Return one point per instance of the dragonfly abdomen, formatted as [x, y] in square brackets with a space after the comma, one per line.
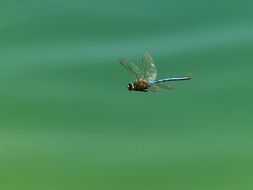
[172, 79]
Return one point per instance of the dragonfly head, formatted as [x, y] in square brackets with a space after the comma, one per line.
[130, 86]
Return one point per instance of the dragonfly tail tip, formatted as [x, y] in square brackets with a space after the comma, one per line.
[190, 76]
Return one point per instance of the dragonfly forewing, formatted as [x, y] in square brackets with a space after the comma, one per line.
[149, 68]
[134, 69]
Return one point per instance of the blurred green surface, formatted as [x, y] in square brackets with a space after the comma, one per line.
[67, 120]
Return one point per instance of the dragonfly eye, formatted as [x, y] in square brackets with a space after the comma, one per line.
[130, 86]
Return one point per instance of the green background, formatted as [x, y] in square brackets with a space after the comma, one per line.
[67, 120]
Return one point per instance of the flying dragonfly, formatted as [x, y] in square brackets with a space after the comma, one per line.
[145, 79]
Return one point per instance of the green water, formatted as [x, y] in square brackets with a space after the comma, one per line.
[67, 120]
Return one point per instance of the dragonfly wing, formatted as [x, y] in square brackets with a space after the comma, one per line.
[134, 69]
[165, 86]
[153, 87]
[149, 67]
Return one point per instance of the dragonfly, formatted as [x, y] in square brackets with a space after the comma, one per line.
[145, 79]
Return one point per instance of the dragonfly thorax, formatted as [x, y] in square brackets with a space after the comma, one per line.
[138, 85]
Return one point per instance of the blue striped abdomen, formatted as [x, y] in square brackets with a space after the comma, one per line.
[172, 79]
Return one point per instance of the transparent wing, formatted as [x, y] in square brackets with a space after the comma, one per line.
[134, 69]
[165, 86]
[149, 67]
[153, 87]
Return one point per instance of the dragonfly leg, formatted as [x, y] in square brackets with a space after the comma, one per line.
[143, 90]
